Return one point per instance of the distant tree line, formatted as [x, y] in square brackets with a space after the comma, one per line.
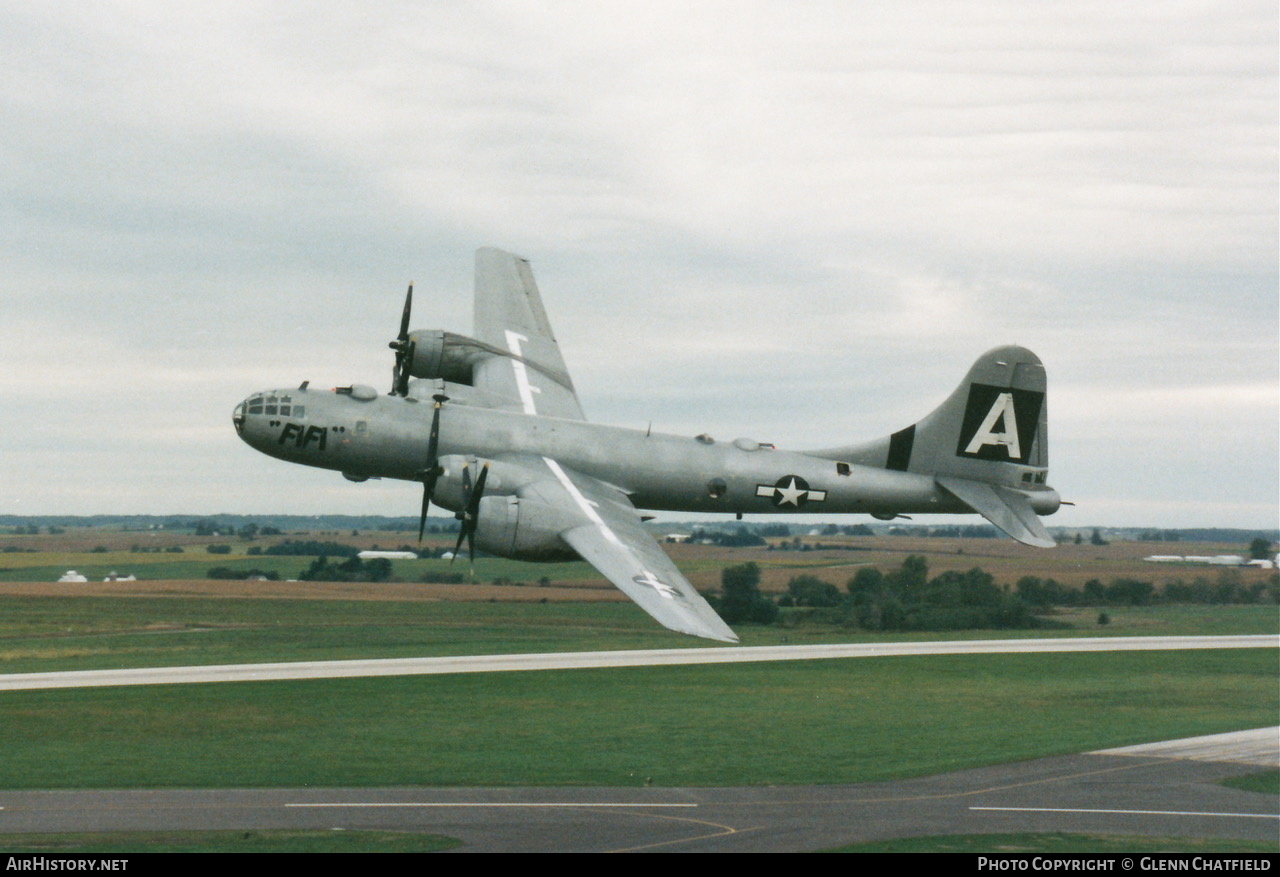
[907, 598]
[740, 537]
[352, 569]
[308, 548]
[226, 572]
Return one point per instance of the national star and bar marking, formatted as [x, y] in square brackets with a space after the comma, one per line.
[652, 581]
[790, 490]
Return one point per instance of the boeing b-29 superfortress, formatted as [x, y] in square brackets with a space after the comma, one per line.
[550, 486]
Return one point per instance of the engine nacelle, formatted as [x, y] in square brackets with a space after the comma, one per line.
[440, 354]
[522, 529]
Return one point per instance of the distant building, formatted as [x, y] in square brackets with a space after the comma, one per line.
[1216, 560]
[114, 576]
[389, 555]
[72, 576]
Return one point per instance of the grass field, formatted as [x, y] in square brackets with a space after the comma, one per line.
[833, 721]
[1057, 844]
[121, 843]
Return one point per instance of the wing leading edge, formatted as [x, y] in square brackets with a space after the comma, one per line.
[605, 529]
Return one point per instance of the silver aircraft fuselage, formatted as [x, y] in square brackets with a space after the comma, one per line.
[383, 437]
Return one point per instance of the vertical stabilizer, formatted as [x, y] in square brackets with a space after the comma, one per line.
[987, 444]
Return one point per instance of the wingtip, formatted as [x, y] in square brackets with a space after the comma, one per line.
[725, 636]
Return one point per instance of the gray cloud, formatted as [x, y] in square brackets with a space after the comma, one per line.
[801, 224]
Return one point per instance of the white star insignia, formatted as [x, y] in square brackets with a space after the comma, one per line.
[791, 494]
[658, 585]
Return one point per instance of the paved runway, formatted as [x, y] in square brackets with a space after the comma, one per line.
[576, 660]
[1141, 792]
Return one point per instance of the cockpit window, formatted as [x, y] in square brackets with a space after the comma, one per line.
[280, 406]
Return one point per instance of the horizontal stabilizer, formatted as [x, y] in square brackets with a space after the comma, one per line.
[1007, 509]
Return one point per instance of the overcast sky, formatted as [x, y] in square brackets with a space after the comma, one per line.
[799, 222]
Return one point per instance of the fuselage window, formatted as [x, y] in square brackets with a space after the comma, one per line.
[256, 409]
[362, 427]
[716, 488]
[271, 409]
[842, 468]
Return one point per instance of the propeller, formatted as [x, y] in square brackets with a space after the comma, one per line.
[470, 514]
[432, 470]
[404, 349]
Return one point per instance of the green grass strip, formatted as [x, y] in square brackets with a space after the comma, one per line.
[1057, 843]
[125, 842]
[1267, 782]
[833, 721]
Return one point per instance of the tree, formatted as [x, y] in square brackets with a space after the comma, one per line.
[809, 590]
[866, 584]
[741, 600]
[1260, 549]
[913, 573]
[1130, 592]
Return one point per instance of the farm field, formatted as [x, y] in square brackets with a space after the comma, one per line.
[153, 555]
[173, 615]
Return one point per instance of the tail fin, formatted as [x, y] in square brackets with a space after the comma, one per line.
[987, 444]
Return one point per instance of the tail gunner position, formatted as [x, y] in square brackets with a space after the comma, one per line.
[492, 428]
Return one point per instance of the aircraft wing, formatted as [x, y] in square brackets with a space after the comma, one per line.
[601, 524]
[509, 316]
